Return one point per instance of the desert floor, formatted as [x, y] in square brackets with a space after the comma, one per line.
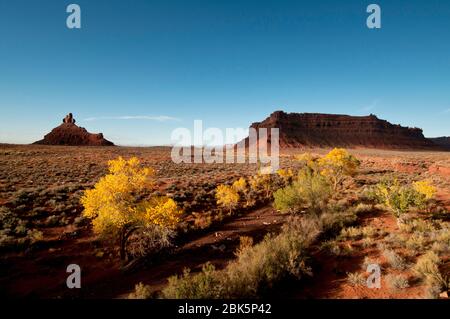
[41, 186]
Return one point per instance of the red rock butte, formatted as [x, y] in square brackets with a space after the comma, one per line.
[69, 134]
[303, 130]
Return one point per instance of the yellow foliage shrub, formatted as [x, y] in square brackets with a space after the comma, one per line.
[227, 197]
[425, 188]
[306, 159]
[337, 164]
[162, 211]
[261, 182]
[286, 174]
[114, 206]
[111, 204]
[399, 198]
[240, 185]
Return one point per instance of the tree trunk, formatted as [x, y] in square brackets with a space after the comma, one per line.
[122, 244]
[125, 234]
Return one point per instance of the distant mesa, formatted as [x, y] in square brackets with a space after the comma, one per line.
[443, 141]
[72, 135]
[303, 130]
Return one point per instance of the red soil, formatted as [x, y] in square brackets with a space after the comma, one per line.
[42, 273]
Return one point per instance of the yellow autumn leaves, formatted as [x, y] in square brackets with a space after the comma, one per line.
[121, 200]
[227, 197]
[425, 188]
[401, 198]
[338, 164]
[113, 202]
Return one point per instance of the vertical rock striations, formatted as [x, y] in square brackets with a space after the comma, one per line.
[332, 130]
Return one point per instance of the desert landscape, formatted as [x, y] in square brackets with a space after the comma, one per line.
[219, 158]
[374, 206]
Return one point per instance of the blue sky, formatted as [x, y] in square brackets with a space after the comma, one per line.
[139, 69]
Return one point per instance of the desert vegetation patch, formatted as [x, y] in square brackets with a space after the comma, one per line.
[141, 226]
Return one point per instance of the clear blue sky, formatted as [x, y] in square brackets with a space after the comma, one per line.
[226, 62]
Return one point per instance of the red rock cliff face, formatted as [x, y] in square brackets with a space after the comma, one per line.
[72, 135]
[331, 130]
[443, 141]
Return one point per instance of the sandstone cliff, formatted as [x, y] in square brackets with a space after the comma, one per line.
[332, 130]
[442, 141]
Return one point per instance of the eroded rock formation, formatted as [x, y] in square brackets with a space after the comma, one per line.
[443, 141]
[69, 119]
[72, 135]
[332, 130]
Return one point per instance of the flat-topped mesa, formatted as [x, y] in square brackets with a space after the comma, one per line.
[336, 130]
[70, 134]
[443, 141]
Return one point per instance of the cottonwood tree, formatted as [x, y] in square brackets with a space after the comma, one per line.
[115, 207]
[337, 165]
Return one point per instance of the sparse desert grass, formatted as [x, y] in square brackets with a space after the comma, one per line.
[394, 240]
[440, 248]
[256, 269]
[141, 291]
[15, 232]
[367, 242]
[362, 208]
[357, 233]
[335, 248]
[351, 233]
[333, 222]
[356, 279]
[416, 241]
[427, 268]
[245, 242]
[369, 232]
[417, 225]
[396, 282]
[394, 260]
[332, 247]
